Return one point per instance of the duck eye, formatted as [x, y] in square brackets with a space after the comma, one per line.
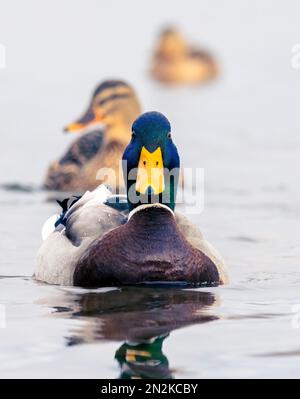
[133, 135]
[144, 162]
[169, 136]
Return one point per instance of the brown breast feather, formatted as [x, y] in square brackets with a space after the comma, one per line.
[149, 247]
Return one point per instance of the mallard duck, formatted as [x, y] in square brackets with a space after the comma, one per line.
[175, 61]
[114, 105]
[109, 240]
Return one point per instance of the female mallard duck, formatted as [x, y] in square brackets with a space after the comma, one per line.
[115, 105]
[176, 62]
[102, 240]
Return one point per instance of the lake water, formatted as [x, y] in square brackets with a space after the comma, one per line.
[243, 129]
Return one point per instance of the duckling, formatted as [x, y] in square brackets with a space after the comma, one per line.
[175, 62]
[115, 105]
[102, 245]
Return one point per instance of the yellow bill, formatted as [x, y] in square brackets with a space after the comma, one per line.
[150, 172]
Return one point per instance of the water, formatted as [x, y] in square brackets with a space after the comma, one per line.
[243, 130]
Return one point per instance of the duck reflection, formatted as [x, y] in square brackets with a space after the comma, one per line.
[143, 360]
[140, 317]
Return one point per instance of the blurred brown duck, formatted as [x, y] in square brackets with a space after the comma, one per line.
[114, 105]
[176, 62]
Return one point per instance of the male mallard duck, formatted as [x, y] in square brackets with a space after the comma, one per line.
[115, 105]
[98, 243]
[176, 62]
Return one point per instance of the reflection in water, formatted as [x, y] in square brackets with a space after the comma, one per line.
[143, 360]
[142, 318]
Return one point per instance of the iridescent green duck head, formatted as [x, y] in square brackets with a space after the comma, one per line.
[151, 162]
